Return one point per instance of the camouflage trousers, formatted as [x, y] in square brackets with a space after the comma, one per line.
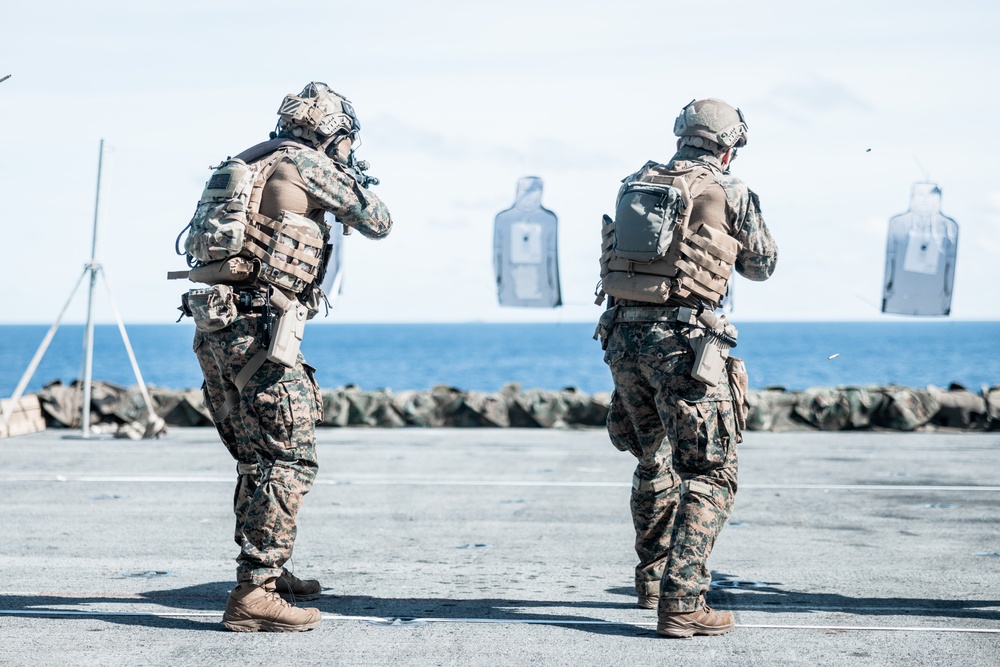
[684, 435]
[270, 433]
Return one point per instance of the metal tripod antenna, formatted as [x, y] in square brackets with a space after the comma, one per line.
[88, 336]
[155, 426]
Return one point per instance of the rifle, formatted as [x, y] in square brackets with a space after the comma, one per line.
[357, 169]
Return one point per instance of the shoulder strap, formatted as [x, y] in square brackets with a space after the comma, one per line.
[698, 184]
[690, 186]
[255, 153]
[635, 174]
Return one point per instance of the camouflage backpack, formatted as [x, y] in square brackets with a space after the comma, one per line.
[288, 252]
[218, 227]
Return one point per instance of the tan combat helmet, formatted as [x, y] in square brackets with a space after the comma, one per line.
[703, 123]
[317, 114]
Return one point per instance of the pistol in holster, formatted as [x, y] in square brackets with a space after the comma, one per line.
[711, 343]
[288, 323]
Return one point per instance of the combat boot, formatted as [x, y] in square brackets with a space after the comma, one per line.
[648, 593]
[289, 586]
[648, 601]
[260, 609]
[705, 621]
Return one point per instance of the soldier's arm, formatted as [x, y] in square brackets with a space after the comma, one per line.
[759, 253]
[340, 194]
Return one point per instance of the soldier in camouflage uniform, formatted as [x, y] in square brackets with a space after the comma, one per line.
[268, 425]
[683, 431]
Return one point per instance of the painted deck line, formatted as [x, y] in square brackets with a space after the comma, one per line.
[168, 479]
[470, 621]
[733, 606]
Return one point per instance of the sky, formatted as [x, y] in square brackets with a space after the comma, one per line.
[848, 103]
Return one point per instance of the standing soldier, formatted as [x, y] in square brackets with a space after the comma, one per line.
[679, 399]
[259, 239]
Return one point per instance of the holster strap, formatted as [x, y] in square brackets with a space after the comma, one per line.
[247, 372]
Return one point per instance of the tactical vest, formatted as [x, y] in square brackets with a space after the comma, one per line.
[692, 261]
[229, 240]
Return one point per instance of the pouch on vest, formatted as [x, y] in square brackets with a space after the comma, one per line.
[231, 270]
[604, 326]
[637, 287]
[739, 383]
[290, 249]
[216, 230]
[646, 217]
[212, 308]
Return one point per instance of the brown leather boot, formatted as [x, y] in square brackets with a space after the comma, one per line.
[291, 587]
[705, 621]
[260, 609]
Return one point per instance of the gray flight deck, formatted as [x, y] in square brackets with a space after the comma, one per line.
[502, 547]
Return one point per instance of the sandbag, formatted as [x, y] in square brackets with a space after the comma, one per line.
[959, 408]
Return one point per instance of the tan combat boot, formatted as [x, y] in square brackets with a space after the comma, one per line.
[290, 586]
[260, 609]
[705, 621]
[648, 593]
[648, 601]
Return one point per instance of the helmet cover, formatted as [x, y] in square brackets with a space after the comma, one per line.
[712, 120]
[317, 113]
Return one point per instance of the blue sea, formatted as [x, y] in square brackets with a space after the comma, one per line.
[794, 355]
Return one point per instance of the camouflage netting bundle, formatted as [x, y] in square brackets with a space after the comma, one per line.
[119, 410]
[445, 406]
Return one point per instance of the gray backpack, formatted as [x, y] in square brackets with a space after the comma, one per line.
[650, 209]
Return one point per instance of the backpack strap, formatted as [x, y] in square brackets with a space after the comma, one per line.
[255, 153]
[273, 151]
[699, 183]
[690, 189]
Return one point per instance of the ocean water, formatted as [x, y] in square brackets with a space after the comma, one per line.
[794, 355]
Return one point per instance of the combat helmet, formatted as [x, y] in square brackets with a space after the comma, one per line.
[703, 123]
[317, 114]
